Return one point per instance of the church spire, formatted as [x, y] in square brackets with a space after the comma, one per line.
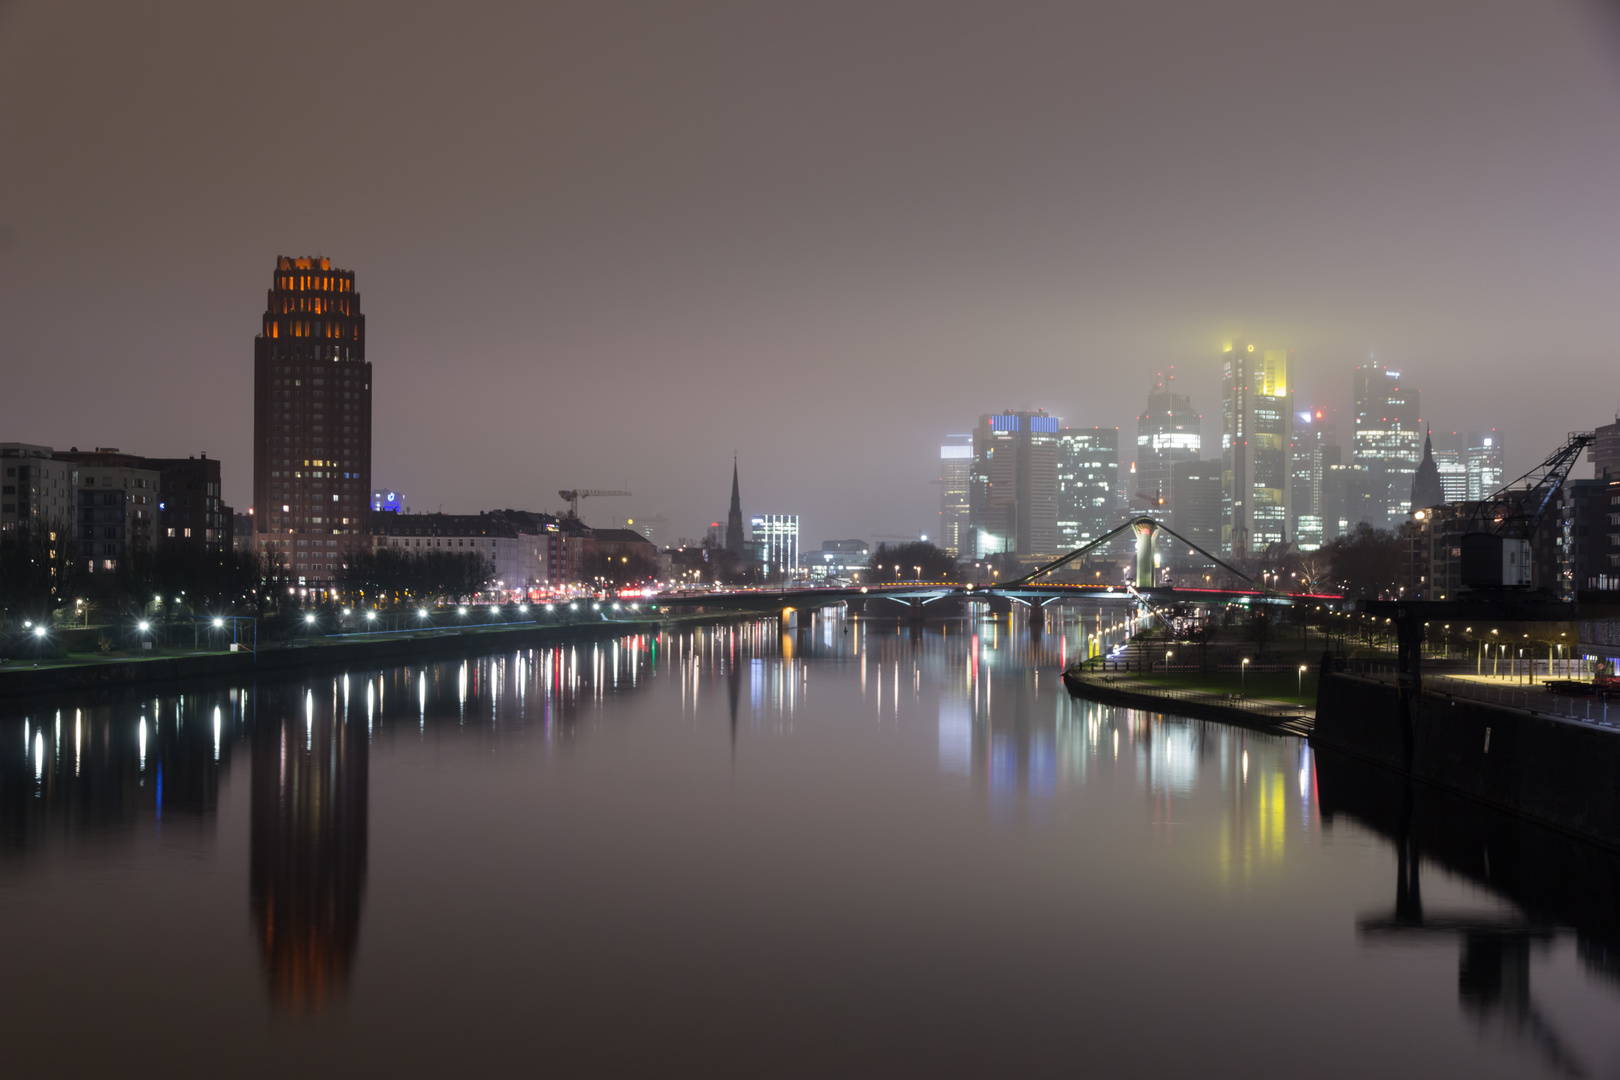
[1426, 487]
[734, 528]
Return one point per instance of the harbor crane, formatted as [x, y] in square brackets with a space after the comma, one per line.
[573, 496]
[1496, 542]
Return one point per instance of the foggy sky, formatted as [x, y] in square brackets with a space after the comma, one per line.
[606, 244]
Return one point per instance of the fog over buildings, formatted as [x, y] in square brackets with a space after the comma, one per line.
[606, 246]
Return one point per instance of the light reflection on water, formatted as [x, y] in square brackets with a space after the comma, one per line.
[801, 830]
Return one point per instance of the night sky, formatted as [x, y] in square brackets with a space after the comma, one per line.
[606, 244]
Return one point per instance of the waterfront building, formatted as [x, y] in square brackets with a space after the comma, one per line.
[523, 550]
[117, 501]
[36, 487]
[1589, 530]
[1168, 432]
[955, 473]
[1256, 436]
[191, 512]
[312, 421]
[1432, 567]
[838, 560]
[1604, 452]
[1388, 438]
[1087, 476]
[1013, 490]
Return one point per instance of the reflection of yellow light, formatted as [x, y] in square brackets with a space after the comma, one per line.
[1251, 348]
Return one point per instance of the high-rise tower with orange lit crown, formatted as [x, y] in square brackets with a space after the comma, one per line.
[311, 423]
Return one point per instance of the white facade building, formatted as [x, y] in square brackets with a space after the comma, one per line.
[776, 539]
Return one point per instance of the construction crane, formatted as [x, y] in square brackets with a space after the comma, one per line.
[1496, 542]
[572, 497]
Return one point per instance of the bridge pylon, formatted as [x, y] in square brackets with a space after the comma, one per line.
[1147, 560]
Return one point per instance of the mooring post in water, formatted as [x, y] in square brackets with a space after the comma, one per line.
[1409, 674]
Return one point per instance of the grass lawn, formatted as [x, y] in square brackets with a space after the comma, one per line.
[1271, 685]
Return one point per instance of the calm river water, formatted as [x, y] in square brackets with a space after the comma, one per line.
[854, 849]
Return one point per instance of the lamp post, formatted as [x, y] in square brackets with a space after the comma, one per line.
[1299, 685]
[1243, 677]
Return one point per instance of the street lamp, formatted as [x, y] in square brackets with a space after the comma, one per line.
[1243, 677]
[1299, 683]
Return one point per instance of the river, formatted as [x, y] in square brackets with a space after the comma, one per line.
[855, 848]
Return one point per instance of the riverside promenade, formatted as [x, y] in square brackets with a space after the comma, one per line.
[20, 677]
[1155, 693]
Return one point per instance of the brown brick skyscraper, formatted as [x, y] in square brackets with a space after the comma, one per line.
[311, 422]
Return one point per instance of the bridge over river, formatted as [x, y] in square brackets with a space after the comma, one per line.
[1034, 590]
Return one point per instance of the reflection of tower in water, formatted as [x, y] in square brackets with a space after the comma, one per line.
[308, 843]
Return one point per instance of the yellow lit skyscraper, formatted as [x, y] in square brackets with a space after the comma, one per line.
[1256, 427]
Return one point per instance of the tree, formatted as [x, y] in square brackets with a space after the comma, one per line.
[917, 560]
[389, 576]
[39, 568]
[1366, 561]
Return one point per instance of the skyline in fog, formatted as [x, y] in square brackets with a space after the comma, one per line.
[606, 246]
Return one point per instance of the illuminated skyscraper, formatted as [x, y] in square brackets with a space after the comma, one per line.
[1256, 434]
[1088, 474]
[311, 421]
[1484, 463]
[1388, 439]
[1168, 432]
[1013, 491]
[1313, 432]
[955, 474]
[1451, 459]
